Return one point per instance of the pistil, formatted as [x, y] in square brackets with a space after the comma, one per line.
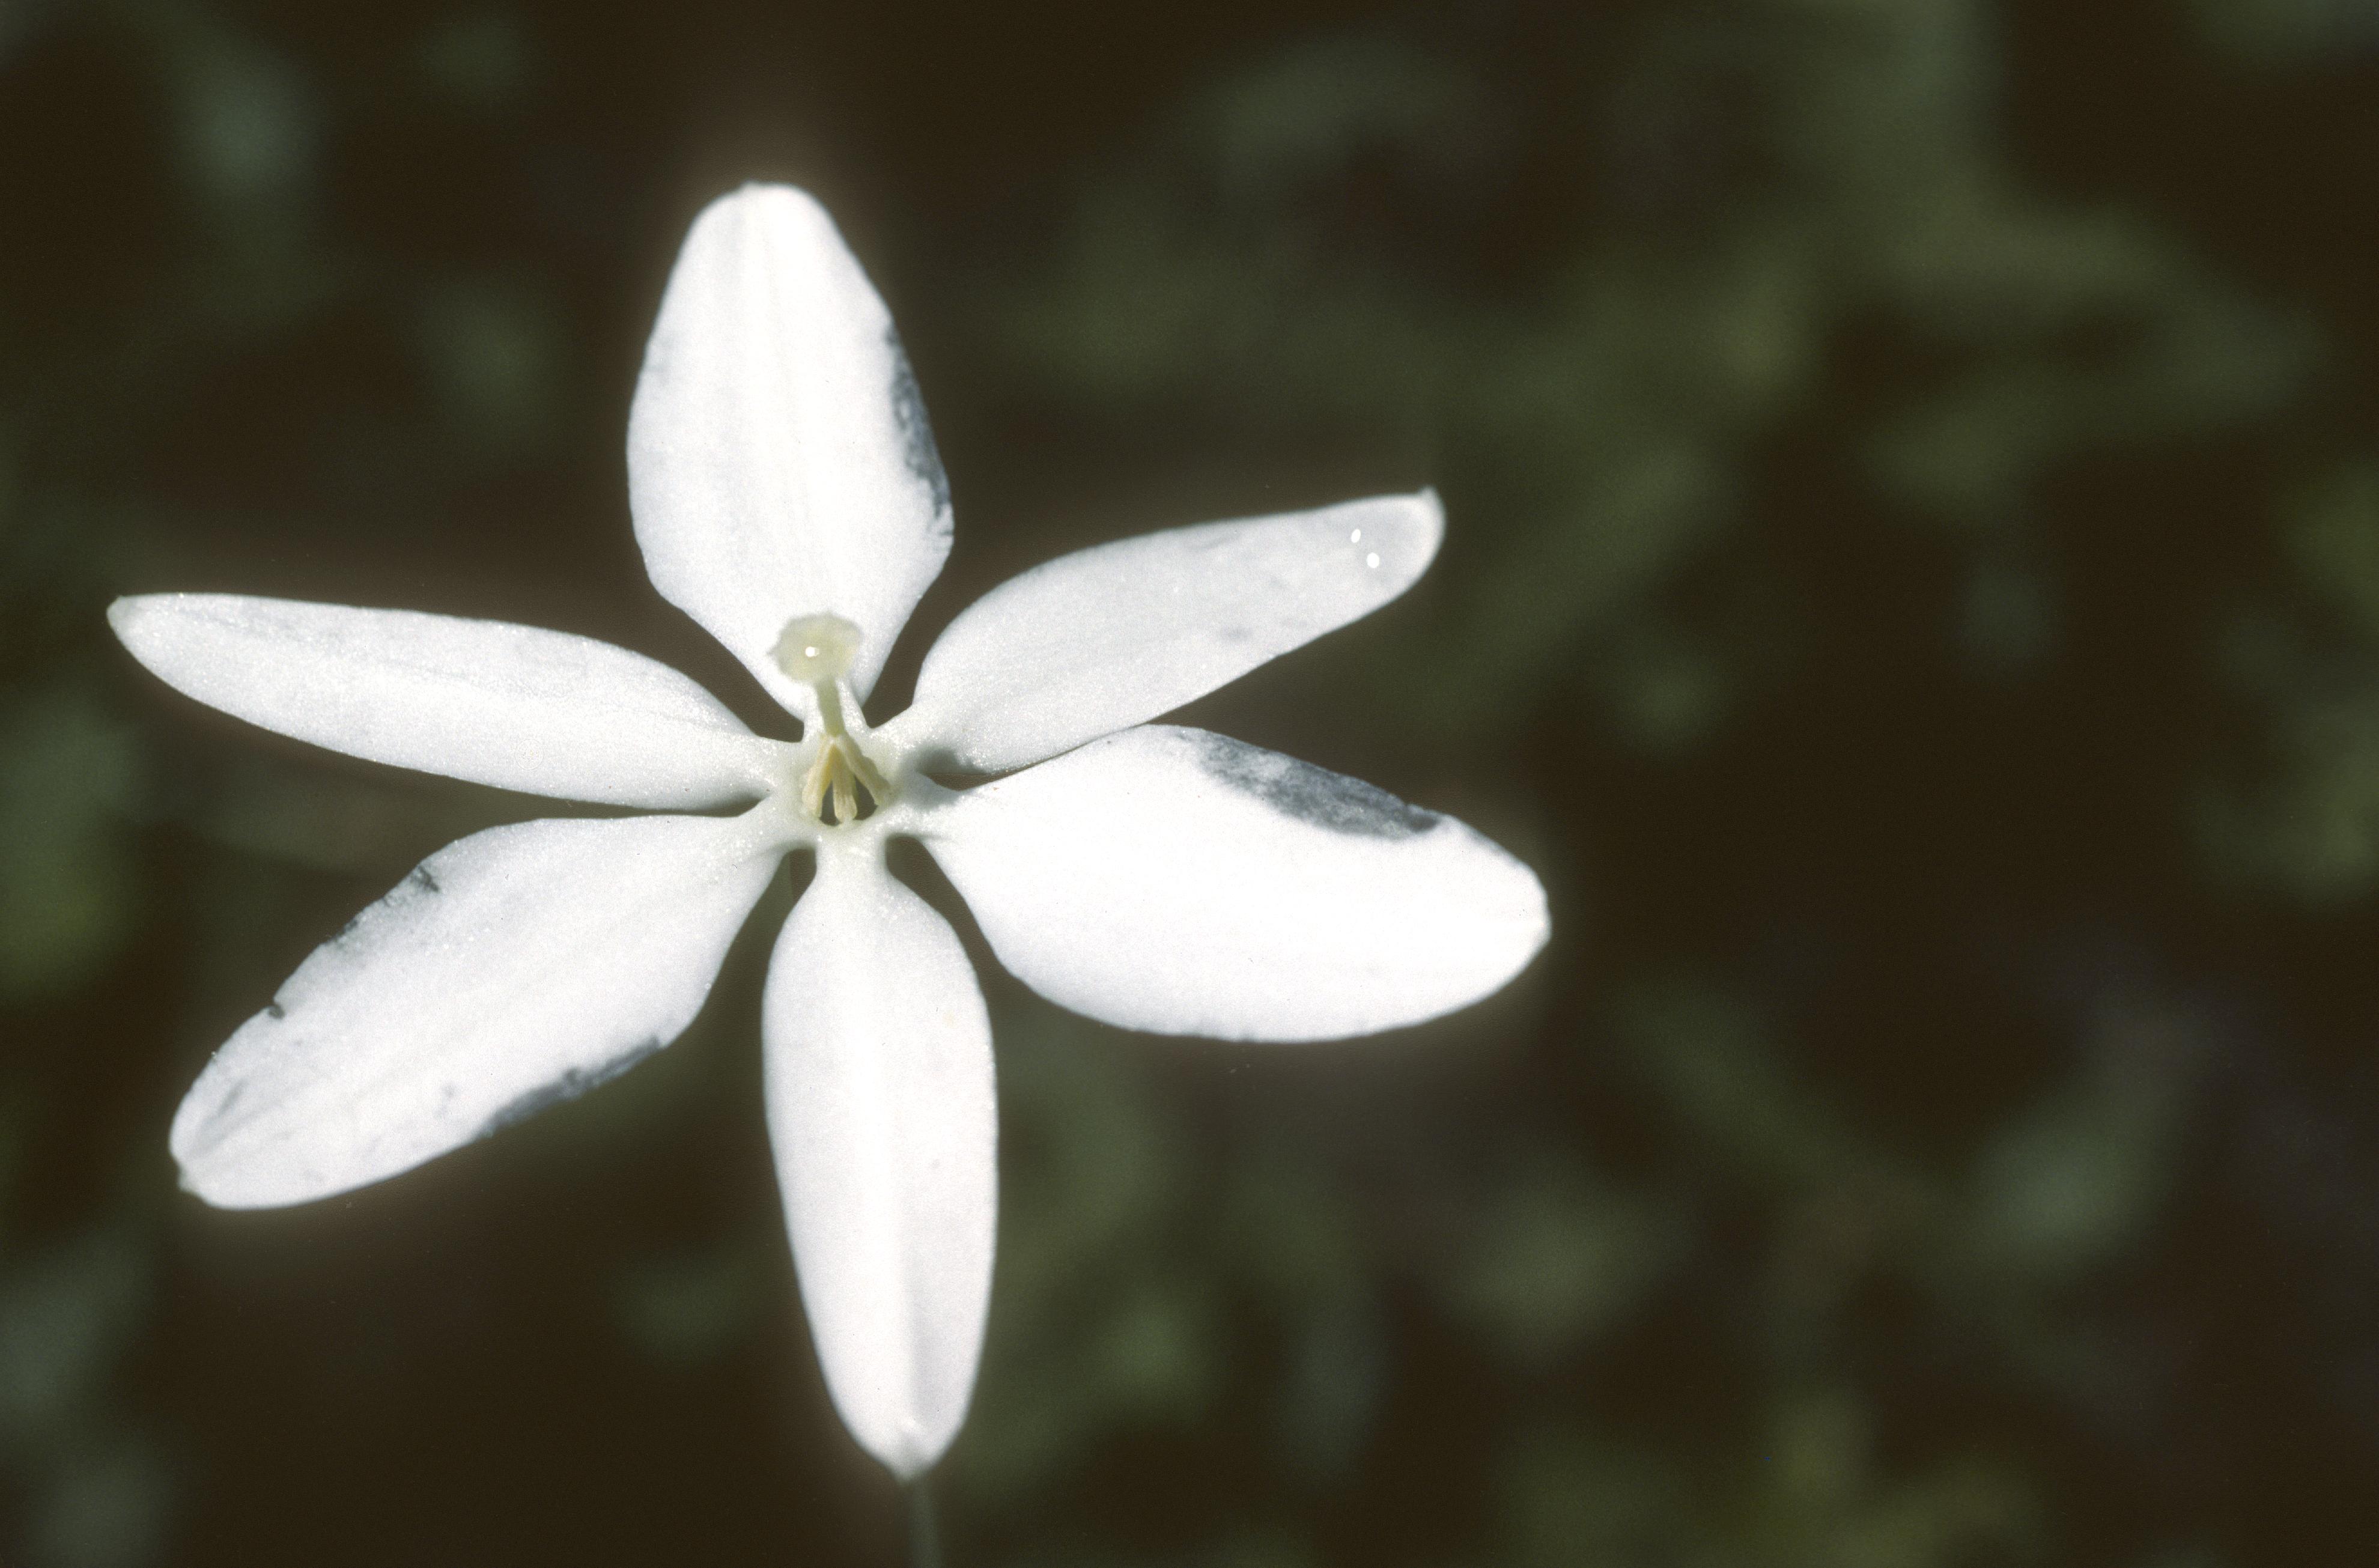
[818, 650]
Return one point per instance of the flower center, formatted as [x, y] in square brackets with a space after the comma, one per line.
[818, 650]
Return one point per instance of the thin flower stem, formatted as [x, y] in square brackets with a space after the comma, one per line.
[924, 1536]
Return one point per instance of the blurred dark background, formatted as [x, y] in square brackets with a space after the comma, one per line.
[1912, 590]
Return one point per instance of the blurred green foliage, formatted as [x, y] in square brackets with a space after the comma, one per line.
[1913, 590]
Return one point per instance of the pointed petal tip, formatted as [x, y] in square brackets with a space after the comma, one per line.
[228, 1183]
[771, 190]
[1429, 519]
[908, 1446]
[130, 616]
[215, 1193]
[911, 1457]
[207, 1173]
[1395, 538]
[1536, 920]
[762, 199]
[183, 1139]
[1520, 928]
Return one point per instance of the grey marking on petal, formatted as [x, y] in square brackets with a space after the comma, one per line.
[423, 879]
[275, 1010]
[1311, 794]
[569, 1086]
[917, 449]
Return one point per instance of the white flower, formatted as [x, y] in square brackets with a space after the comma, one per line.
[786, 495]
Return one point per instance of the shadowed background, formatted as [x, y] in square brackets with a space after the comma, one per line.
[1912, 590]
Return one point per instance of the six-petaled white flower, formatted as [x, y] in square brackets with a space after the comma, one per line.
[786, 495]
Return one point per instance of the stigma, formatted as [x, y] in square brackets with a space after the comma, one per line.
[818, 650]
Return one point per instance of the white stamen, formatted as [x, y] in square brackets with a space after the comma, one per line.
[818, 651]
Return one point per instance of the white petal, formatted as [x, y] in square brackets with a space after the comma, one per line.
[496, 703]
[779, 459]
[1174, 880]
[1114, 635]
[881, 1109]
[511, 970]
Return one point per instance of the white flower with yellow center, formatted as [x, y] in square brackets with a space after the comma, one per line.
[786, 495]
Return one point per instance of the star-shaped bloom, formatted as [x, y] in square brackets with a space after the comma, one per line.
[786, 495]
